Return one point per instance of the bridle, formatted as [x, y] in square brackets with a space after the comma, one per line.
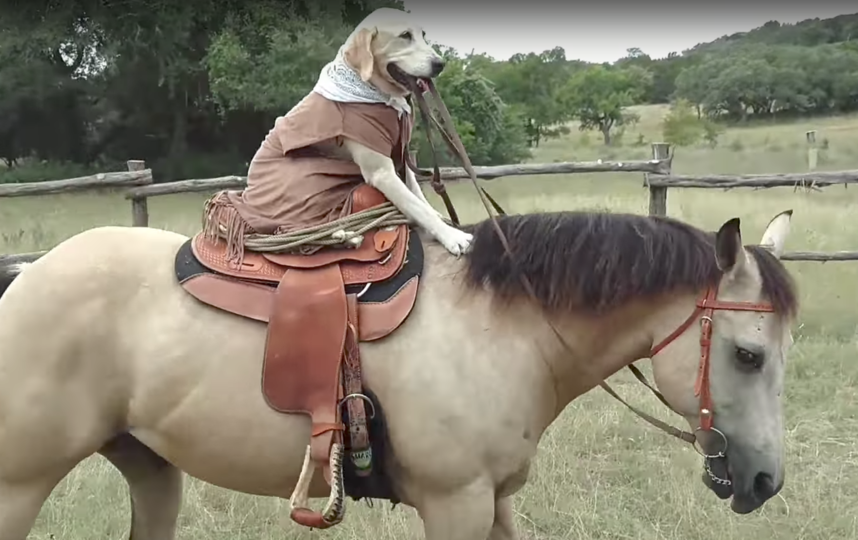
[706, 304]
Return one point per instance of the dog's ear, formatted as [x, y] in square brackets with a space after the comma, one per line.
[359, 52]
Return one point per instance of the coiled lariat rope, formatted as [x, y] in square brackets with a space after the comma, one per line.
[346, 231]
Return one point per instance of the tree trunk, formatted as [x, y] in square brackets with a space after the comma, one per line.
[178, 140]
[606, 134]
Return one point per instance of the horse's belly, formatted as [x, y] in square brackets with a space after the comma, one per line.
[249, 453]
[198, 403]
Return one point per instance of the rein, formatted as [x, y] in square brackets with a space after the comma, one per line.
[455, 146]
[705, 306]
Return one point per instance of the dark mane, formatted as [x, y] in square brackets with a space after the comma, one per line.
[595, 261]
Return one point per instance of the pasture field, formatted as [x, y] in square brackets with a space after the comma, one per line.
[601, 473]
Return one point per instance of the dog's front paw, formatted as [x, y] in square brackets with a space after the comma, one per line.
[457, 242]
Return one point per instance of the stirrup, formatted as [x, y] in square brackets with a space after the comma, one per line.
[335, 508]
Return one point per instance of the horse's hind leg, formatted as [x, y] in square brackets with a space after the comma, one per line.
[154, 484]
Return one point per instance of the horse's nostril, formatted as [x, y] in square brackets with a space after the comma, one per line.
[764, 486]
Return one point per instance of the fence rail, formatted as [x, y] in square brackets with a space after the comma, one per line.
[83, 183]
[723, 181]
[447, 174]
[658, 178]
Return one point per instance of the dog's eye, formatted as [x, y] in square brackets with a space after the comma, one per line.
[750, 359]
[406, 35]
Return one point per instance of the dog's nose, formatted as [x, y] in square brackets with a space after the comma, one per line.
[437, 66]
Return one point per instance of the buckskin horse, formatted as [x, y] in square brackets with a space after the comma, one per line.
[129, 342]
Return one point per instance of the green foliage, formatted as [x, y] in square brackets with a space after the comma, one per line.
[192, 88]
[86, 80]
[276, 77]
[598, 97]
[807, 33]
[711, 132]
[533, 82]
[758, 80]
[491, 131]
[683, 127]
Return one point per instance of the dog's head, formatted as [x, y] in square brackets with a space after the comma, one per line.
[389, 50]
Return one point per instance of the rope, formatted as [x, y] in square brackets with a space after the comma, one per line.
[347, 231]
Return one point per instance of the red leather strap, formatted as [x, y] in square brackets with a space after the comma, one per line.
[706, 306]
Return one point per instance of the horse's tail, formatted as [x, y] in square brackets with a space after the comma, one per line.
[8, 275]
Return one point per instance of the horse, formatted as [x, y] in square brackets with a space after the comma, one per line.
[102, 351]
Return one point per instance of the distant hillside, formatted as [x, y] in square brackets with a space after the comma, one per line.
[806, 33]
[810, 67]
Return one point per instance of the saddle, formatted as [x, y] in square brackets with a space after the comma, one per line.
[318, 308]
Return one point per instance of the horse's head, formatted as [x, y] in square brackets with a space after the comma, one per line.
[389, 49]
[725, 372]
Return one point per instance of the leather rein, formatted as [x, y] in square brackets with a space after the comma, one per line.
[705, 306]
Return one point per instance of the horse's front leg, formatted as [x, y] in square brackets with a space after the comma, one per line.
[465, 514]
[504, 523]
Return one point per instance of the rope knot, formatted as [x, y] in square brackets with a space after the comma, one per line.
[349, 238]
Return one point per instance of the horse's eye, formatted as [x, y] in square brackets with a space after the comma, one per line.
[406, 35]
[749, 358]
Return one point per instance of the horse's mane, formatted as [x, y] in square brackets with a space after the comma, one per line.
[596, 261]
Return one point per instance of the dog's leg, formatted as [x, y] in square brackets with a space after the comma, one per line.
[379, 172]
[411, 182]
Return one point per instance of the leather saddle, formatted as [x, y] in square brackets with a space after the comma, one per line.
[317, 308]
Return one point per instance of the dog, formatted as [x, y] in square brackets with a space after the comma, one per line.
[387, 49]
[350, 129]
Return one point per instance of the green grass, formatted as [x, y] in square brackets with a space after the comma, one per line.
[601, 472]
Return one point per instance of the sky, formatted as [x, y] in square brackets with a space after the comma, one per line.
[602, 30]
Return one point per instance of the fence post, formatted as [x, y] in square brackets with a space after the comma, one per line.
[658, 194]
[139, 205]
[812, 150]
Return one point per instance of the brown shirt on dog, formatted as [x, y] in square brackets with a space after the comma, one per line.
[290, 186]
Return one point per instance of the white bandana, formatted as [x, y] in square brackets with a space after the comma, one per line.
[339, 82]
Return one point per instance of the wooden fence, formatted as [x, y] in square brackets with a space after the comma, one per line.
[657, 178]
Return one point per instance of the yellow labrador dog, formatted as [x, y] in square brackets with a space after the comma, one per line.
[387, 49]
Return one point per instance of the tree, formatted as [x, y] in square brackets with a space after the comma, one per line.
[43, 99]
[132, 78]
[534, 83]
[598, 97]
[492, 132]
[761, 80]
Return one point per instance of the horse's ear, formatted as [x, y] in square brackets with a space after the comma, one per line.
[776, 233]
[728, 248]
[358, 52]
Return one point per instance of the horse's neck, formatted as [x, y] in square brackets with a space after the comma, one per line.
[512, 351]
[603, 345]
